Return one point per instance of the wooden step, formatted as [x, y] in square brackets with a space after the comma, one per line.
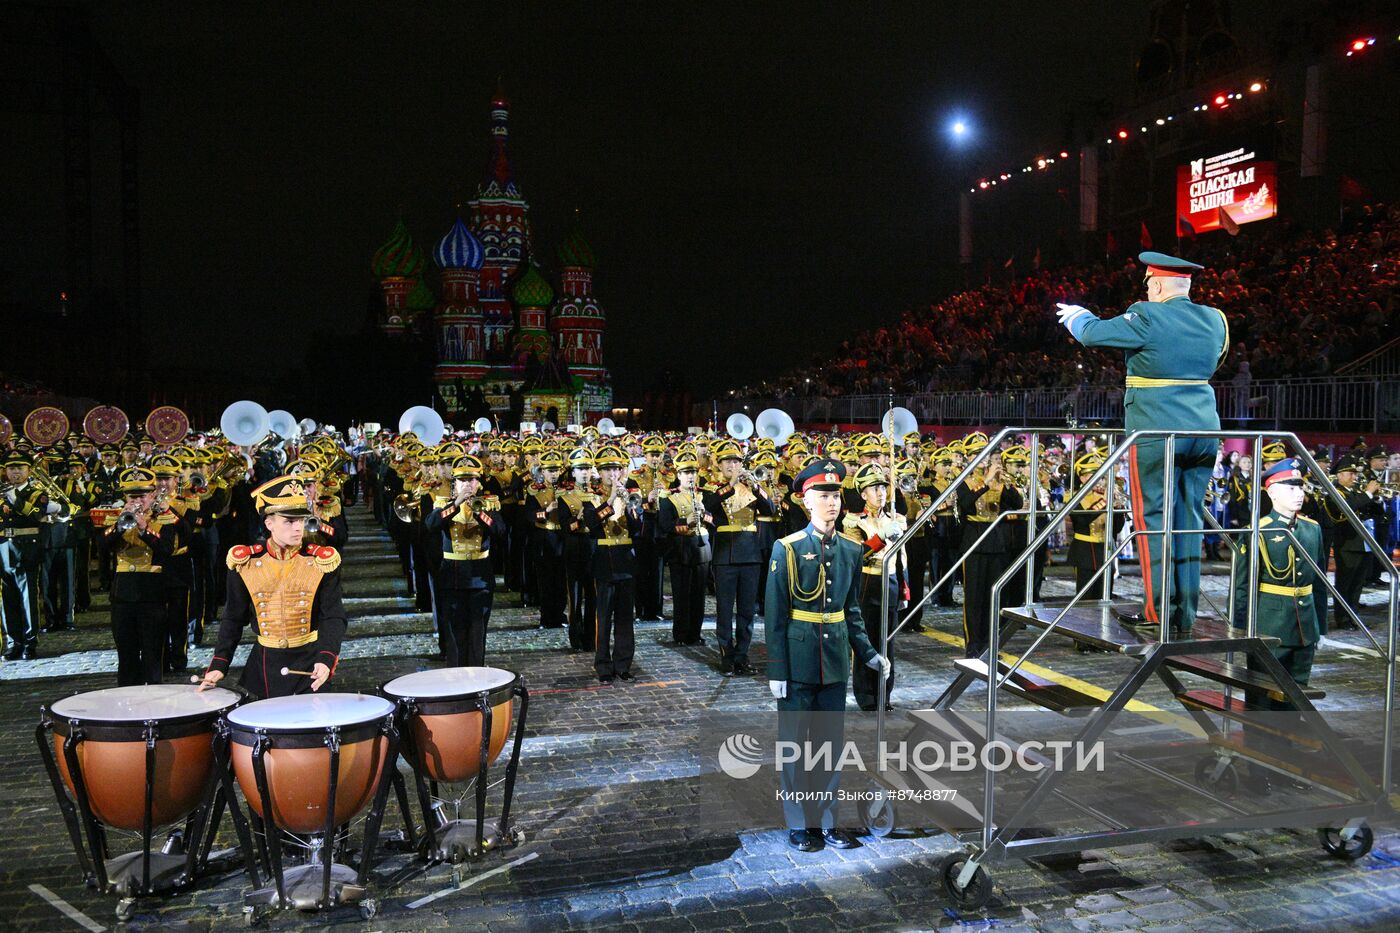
[1235, 675]
[1213, 701]
[1038, 690]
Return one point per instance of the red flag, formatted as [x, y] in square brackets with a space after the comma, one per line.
[1111, 244]
[1144, 237]
[1184, 228]
[1228, 223]
[1353, 190]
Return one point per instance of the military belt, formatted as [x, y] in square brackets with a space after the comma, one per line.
[18, 532]
[737, 528]
[296, 641]
[613, 542]
[453, 555]
[547, 526]
[1151, 382]
[767, 518]
[1090, 538]
[875, 571]
[1294, 591]
[806, 615]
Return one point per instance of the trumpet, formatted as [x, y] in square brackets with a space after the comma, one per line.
[126, 521]
[908, 483]
[312, 525]
[762, 473]
[50, 488]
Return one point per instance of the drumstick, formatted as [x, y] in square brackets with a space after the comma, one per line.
[288, 670]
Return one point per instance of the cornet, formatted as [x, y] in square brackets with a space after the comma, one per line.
[908, 483]
[126, 521]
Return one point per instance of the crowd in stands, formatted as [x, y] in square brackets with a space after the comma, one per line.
[1299, 302]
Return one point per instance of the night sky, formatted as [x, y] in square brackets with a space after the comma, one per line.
[758, 181]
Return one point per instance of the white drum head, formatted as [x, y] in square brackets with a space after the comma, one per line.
[449, 682]
[151, 701]
[311, 711]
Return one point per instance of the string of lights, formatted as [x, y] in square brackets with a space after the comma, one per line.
[1218, 102]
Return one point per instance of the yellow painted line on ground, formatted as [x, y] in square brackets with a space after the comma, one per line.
[1156, 713]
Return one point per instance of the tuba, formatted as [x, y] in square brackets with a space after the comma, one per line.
[774, 424]
[739, 425]
[423, 422]
[281, 423]
[245, 423]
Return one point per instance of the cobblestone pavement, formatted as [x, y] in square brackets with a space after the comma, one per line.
[629, 824]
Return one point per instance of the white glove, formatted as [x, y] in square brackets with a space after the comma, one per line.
[880, 663]
[1068, 314]
[53, 508]
[779, 688]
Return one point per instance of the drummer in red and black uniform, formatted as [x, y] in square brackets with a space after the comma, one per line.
[291, 594]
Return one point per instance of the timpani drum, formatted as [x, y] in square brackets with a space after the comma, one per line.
[307, 765]
[137, 759]
[455, 723]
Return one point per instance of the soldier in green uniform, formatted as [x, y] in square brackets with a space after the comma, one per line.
[813, 623]
[1173, 346]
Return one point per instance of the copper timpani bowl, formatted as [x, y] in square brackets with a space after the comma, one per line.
[111, 726]
[297, 756]
[444, 717]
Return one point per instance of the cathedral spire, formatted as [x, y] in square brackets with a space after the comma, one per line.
[500, 177]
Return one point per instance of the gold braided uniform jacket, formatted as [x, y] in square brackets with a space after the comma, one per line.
[464, 537]
[293, 599]
[140, 558]
[874, 533]
[546, 535]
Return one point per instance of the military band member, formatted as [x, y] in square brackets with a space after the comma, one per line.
[945, 530]
[985, 496]
[874, 528]
[686, 534]
[1089, 528]
[614, 525]
[813, 625]
[650, 566]
[138, 595]
[178, 573]
[736, 504]
[290, 593]
[764, 466]
[1354, 556]
[547, 540]
[578, 550]
[918, 550]
[1319, 506]
[467, 524]
[1172, 346]
[23, 507]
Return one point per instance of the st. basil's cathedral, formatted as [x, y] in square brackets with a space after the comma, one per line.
[501, 328]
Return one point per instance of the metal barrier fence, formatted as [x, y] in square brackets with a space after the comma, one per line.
[1359, 403]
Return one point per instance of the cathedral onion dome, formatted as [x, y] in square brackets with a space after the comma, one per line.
[397, 257]
[421, 298]
[576, 252]
[459, 249]
[533, 289]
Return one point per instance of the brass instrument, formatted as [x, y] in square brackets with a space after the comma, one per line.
[126, 521]
[50, 487]
[312, 525]
[763, 473]
[407, 508]
[908, 483]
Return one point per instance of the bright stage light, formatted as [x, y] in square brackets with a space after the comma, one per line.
[1122, 134]
[1256, 87]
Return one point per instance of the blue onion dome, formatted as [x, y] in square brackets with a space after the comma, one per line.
[459, 249]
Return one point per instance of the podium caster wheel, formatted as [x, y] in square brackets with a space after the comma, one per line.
[1226, 782]
[1350, 849]
[126, 909]
[979, 888]
[368, 908]
[879, 815]
[515, 838]
[252, 916]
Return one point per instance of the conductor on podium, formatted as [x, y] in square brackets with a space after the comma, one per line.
[1172, 346]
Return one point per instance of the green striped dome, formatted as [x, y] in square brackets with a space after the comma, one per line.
[397, 257]
[533, 289]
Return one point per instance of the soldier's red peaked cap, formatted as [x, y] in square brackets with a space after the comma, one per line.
[821, 474]
[1162, 264]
